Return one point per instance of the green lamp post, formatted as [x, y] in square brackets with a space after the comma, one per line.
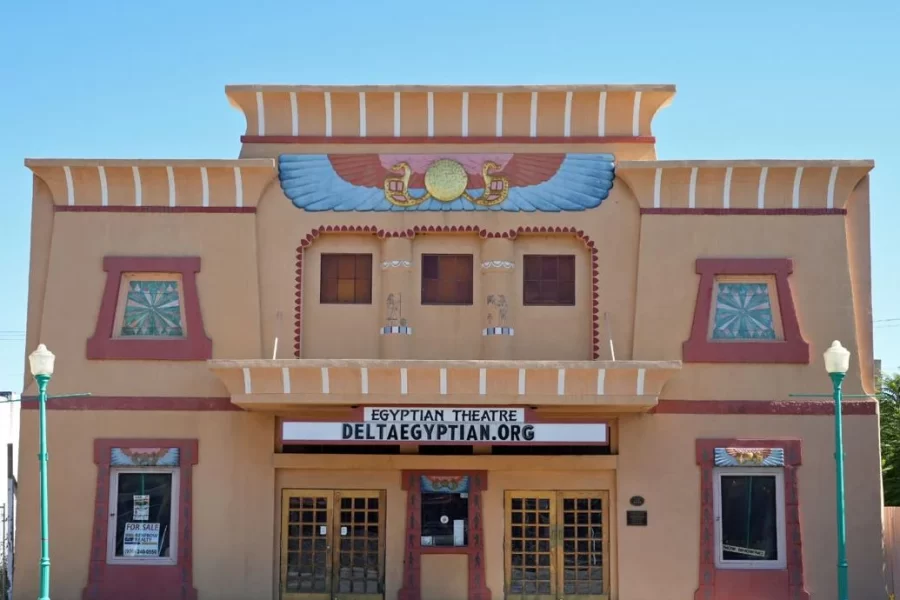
[837, 362]
[41, 361]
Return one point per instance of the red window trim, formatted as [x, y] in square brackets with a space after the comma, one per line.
[738, 584]
[142, 582]
[700, 349]
[411, 589]
[194, 346]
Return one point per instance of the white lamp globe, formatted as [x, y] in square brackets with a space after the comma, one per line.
[837, 358]
[41, 361]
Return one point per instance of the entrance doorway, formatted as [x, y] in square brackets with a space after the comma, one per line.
[557, 545]
[332, 544]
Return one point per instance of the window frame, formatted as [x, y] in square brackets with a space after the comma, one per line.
[337, 256]
[174, 530]
[438, 255]
[557, 281]
[780, 525]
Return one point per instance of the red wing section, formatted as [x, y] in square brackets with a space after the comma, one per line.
[532, 169]
[359, 169]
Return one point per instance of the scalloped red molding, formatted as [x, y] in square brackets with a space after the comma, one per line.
[410, 233]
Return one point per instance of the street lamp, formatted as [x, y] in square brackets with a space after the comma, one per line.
[837, 362]
[41, 361]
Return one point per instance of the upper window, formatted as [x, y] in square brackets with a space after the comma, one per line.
[746, 310]
[144, 510]
[346, 279]
[549, 280]
[447, 278]
[150, 305]
[749, 514]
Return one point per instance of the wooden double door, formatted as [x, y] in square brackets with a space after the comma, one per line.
[557, 545]
[332, 544]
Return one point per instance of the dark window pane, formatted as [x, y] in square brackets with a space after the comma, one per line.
[329, 291]
[346, 289]
[548, 268]
[144, 515]
[447, 278]
[346, 267]
[429, 266]
[364, 291]
[346, 279]
[549, 280]
[532, 292]
[567, 268]
[749, 517]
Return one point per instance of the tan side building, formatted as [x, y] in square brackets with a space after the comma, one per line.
[449, 343]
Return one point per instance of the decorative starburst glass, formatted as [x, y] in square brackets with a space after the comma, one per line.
[743, 312]
[152, 309]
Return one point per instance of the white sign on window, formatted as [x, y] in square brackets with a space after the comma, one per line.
[141, 507]
[141, 539]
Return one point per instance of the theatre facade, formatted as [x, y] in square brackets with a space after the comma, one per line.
[449, 343]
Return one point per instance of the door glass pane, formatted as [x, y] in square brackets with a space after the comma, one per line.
[749, 518]
[530, 546]
[143, 515]
[358, 535]
[582, 546]
[306, 546]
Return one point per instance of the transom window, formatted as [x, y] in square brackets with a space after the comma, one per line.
[749, 514]
[745, 309]
[447, 278]
[144, 515]
[549, 280]
[346, 279]
[150, 306]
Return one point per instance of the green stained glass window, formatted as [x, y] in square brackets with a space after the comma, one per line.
[152, 309]
[743, 311]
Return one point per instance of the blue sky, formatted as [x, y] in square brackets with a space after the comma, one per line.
[768, 79]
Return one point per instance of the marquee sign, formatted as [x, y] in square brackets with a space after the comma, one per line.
[444, 425]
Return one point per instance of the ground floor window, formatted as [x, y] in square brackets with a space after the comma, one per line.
[749, 514]
[145, 515]
[557, 544]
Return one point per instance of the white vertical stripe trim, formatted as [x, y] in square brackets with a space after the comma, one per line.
[640, 381]
[364, 380]
[657, 187]
[295, 115]
[362, 114]
[601, 116]
[204, 180]
[498, 127]
[692, 190]
[138, 192]
[560, 382]
[443, 388]
[260, 114]
[465, 114]
[104, 189]
[636, 115]
[326, 383]
[396, 114]
[70, 187]
[248, 384]
[286, 380]
[521, 382]
[327, 114]
[430, 114]
[832, 179]
[601, 381]
[726, 195]
[404, 383]
[798, 177]
[482, 381]
[170, 174]
[761, 192]
[238, 187]
[567, 118]
[534, 108]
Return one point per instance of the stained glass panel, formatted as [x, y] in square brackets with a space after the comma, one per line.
[743, 312]
[152, 309]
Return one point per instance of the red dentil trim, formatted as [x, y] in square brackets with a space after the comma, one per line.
[483, 233]
[411, 589]
[179, 403]
[750, 584]
[194, 346]
[744, 211]
[763, 407]
[317, 139]
[700, 349]
[142, 582]
[158, 209]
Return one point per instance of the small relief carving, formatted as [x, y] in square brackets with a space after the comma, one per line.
[498, 308]
[394, 315]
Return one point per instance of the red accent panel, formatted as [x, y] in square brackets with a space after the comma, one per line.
[195, 346]
[750, 584]
[411, 233]
[413, 550]
[744, 211]
[302, 139]
[699, 349]
[142, 582]
[134, 403]
[158, 209]
[763, 407]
